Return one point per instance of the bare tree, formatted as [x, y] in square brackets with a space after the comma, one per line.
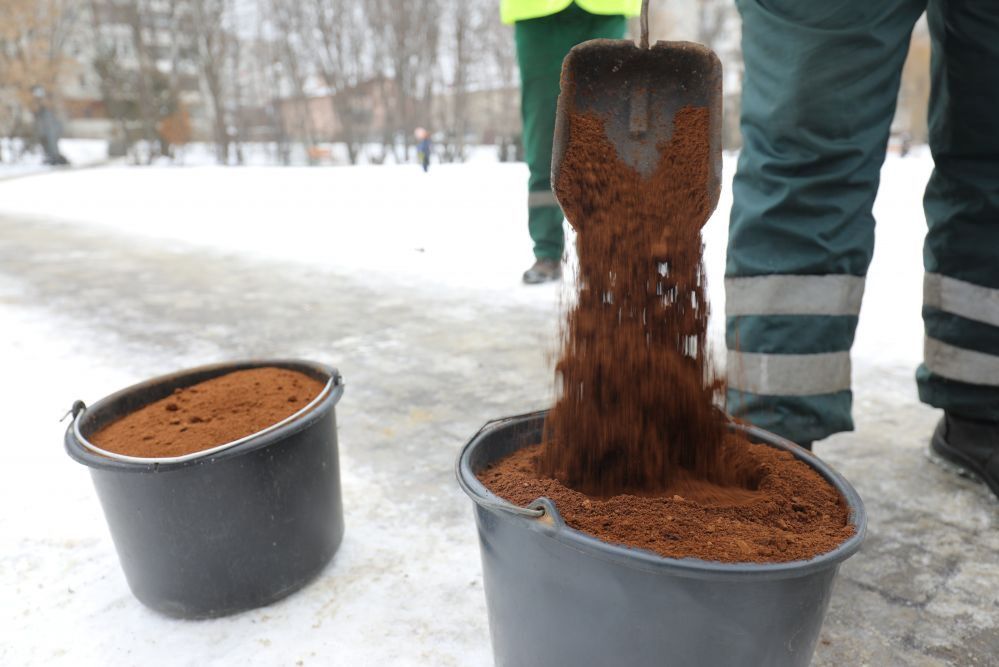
[345, 62]
[288, 23]
[463, 17]
[478, 54]
[500, 68]
[33, 36]
[135, 13]
[406, 51]
[269, 66]
[246, 70]
[213, 48]
[711, 18]
[111, 76]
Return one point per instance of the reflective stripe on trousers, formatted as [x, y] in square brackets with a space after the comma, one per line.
[786, 374]
[782, 374]
[541, 198]
[970, 302]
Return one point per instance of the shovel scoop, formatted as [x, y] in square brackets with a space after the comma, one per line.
[637, 90]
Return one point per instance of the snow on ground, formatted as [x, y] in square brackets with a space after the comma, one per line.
[79, 152]
[262, 154]
[459, 231]
[59, 571]
[458, 228]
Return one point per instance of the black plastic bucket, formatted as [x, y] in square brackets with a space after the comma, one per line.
[560, 598]
[230, 530]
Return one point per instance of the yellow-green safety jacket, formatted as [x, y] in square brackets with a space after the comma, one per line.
[512, 11]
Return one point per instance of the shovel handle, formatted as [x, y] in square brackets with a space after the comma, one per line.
[644, 20]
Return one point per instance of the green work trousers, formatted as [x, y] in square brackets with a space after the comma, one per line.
[542, 44]
[821, 82]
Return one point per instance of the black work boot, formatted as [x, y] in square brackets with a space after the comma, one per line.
[543, 271]
[971, 445]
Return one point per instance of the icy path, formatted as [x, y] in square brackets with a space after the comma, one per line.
[458, 228]
[410, 284]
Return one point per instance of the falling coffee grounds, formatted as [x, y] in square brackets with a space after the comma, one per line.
[210, 413]
[635, 450]
[637, 397]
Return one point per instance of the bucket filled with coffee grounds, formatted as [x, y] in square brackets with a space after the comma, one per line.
[635, 523]
[707, 575]
[220, 484]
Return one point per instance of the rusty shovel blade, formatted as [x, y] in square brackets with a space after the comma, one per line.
[637, 91]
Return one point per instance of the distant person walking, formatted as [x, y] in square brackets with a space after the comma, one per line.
[423, 147]
[48, 129]
[545, 30]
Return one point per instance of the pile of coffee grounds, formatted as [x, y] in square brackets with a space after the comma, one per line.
[210, 413]
[786, 512]
[637, 402]
[635, 450]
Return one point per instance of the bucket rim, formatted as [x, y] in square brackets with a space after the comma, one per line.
[84, 451]
[542, 515]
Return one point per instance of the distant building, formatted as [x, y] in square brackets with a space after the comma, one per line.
[121, 54]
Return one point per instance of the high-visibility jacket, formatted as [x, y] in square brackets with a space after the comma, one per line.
[520, 10]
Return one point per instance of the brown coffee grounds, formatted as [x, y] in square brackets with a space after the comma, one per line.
[210, 413]
[637, 397]
[635, 451]
[788, 512]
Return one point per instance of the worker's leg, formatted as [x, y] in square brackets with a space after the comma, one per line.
[542, 44]
[960, 372]
[819, 92]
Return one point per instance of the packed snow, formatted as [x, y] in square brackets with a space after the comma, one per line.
[459, 230]
[19, 160]
[459, 227]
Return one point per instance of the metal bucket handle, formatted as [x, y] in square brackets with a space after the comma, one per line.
[535, 510]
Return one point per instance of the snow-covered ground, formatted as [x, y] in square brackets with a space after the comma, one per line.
[79, 152]
[457, 234]
[262, 154]
[459, 227]
[16, 161]
[456, 227]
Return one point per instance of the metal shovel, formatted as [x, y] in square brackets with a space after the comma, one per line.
[636, 90]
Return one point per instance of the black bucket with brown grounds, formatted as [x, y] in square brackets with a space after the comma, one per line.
[558, 597]
[231, 530]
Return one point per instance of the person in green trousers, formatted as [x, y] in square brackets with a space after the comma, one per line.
[545, 30]
[820, 86]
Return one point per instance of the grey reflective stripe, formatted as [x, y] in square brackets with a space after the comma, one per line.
[541, 198]
[958, 363]
[793, 295]
[960, 298]
[788, 374]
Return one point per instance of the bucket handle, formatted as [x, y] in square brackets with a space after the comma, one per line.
[78, 407]
[535, 510]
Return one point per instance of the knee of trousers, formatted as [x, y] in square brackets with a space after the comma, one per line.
[814, 132]
[802, 64]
